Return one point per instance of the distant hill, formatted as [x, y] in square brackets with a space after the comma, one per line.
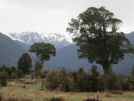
[10, 50]
[130, 36]
[126, 65]
[67, 57]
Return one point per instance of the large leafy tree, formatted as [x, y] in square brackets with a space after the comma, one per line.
[98, 37]
[25, 63]
[43, 51]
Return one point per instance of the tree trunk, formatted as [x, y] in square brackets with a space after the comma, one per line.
[107, 71]
[107, 68]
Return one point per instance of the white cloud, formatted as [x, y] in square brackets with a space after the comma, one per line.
[53, 15]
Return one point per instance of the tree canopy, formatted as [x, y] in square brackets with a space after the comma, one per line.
[43, 50]
[98, 37]
[25, 63]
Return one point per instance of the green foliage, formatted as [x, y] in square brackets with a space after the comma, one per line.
[43, 50]
[3, 78]
[3, 82]
[83, 81]
[113, 82]
[80, 80]
[129, 83]
[56, 80]
[72, 81]
[8, 72]
[95, 79]
[25, 63]
[98, 37]
[13, 72]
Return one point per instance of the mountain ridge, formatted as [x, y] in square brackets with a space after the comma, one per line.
[10, 50]
[67, 56]
[57, 39]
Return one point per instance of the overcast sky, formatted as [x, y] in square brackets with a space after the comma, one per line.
[54, 15]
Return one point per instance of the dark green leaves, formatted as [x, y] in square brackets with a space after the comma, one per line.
[98, 37]
[43, 50]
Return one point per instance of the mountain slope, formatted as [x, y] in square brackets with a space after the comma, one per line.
[10, 50]
[66, 56]
[125, 66]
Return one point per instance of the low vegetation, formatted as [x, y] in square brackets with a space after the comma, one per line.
[30, 94]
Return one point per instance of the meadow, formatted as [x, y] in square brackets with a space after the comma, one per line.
[33, 93]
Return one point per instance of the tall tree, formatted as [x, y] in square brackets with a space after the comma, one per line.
[43, 50]
[98, 37]
[25, 63]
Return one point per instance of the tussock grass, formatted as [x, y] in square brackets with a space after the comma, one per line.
[18, 93]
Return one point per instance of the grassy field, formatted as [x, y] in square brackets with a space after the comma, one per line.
[37, 95]
[26, 91]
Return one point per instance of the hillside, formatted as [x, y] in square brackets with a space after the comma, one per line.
[10, 50]
[66, 57]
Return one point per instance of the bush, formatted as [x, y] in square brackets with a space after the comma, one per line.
[3, 78]
[3, 82]
[84, 81]
[57, 99]
[56, 80]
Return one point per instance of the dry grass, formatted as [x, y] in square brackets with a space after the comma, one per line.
[32, 94]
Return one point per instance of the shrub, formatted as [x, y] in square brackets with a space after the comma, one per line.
[57, 99]
[3, 82]
[3, 78]
[56, 80]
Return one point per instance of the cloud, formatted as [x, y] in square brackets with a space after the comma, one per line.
[53, 15]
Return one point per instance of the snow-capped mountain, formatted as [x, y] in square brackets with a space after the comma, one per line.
[59, 40]
[13, 45]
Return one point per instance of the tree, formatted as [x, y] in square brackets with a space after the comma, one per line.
[25, 63]
[98, 37]
[3, 75]
[95, 79]
[38, 70]
[43, 50]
